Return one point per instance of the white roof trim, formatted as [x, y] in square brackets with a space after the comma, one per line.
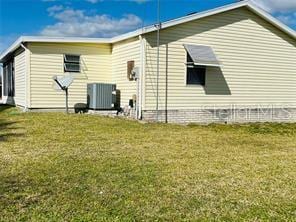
[152, 28]
[271, 19]
[206, 64]
[67, 39]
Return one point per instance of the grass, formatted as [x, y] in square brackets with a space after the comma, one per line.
[57, 167]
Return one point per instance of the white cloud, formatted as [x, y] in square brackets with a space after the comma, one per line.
[284, 10]
[140, 1]
[72, 22]
[52, 10]
[288, 19]
[96, 1]
[92, 1]
[277, 5]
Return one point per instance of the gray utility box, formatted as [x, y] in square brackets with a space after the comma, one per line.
[101, 96]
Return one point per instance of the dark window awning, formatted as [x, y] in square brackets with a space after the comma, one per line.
[202, 55]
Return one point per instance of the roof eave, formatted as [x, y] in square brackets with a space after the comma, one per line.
[181, 20]
[152, 28]
[271, 19]
[24, 39]
[11, 49]
[207, 13]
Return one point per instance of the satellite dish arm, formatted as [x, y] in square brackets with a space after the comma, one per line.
[62, 87]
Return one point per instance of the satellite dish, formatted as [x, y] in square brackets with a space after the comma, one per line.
[63, 83]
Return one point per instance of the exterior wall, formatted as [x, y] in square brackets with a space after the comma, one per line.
[123, 52]
[46, 60]
[258, 65]
[228, 115]
[20, 79]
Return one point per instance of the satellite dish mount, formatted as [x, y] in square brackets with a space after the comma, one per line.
[64, 84]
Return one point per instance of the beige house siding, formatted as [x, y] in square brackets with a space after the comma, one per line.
[123, 52]
[20, 79]
[258, 63]
[47, 61]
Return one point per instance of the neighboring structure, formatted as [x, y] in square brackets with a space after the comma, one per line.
[232, 64]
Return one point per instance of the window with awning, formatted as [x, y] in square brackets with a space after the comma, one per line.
[198, 58]
[202, 55]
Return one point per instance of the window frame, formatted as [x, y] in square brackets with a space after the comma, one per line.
[65, 62]
[8, 78]
[191, 63]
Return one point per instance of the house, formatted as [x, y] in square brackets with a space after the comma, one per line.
[235, 63]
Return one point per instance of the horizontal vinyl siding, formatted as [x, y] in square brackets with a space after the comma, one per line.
[123, 52]
[258, 63]
[47, 60]
[20, 79]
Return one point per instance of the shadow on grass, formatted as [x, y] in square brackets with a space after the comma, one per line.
[15, 190]
[5, 124]
[4, 107]
[5, 136]
[7, 128]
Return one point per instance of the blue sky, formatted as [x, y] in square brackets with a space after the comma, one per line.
[105, 18]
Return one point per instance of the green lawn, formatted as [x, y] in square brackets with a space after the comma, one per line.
[57, 167]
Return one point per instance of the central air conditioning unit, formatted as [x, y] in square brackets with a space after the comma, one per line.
[101, 96]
